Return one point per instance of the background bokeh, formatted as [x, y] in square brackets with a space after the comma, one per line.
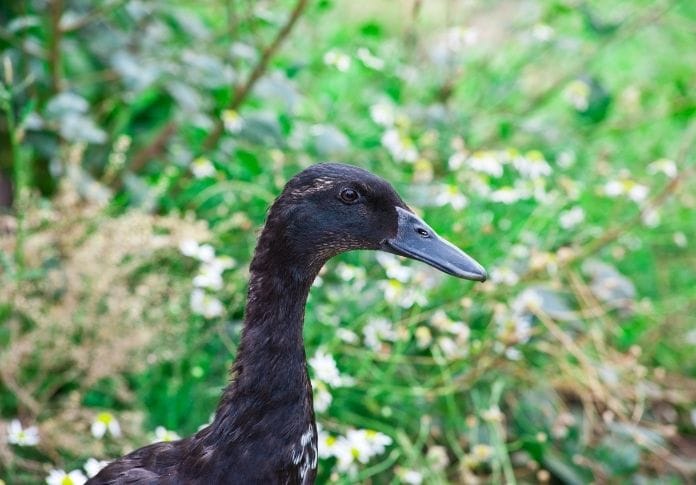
[141, 142]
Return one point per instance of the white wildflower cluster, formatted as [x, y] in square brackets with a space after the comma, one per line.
[395, 138]
[665, 166]
[369, 60]
[337, 59]
[454, 335]
[325, 376]
[403, 288]
[514, 322]
[356, 275]
[232, 121]
[103, 423]
[164, 434]
[504, 275]
[399, 145]
[451, 43]
[530, 165]
[479, 454]
[624, 186]
[450, 195]
[201, 168]
[571, 218]
[377, 332]
[542, 32]
[409, 476]
[76, 477]
[383, 113]
[208, 279]
[529, 171]
[356, 446]
[577, 93]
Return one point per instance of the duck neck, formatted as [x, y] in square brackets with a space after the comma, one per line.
[270, 380]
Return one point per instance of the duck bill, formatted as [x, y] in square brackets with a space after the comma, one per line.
[417, 240]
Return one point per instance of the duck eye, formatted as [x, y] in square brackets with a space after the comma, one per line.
[349, 196]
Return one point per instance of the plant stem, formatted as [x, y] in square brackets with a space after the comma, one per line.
[19, 173]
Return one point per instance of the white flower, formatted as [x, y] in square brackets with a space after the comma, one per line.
[359, 445]
[506, 195]
[450, 195]
[93, 466]
[577, 93]
[104, 422]
[208, 277]
[492, 415]
[202, 252]
[189, 247]
[482, 453]
[456, 160]
[349, 272]
[504, 275]
[528, 301]
[322, 396]
[613, 188]
[664, 165]
[566, 159]
[338, 60]
[400, 147]
[377, 330]
[679, 239]
[369, 60]
[378, 441]
[326, 443]
[411, 477]
[222, 263]
[347, 336]
[59, 477]
[202, 167]
[532, 165]
[206, 305]
[424, 337]
[651, 217]
[325, 370]
[635, 191]
[571, 218]
[232, 121]
[486, 162]
[515, 327]
[394, 268]
[205, 253]
[163, 434]
[437, 456]
[16, 435]
[396, 293]
[383, 113]
[542, 32]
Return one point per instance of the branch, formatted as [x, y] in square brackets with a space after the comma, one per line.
[54, 57]
[243, 90]
[157, 146]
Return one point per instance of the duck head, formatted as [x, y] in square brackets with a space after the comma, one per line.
[331, 208]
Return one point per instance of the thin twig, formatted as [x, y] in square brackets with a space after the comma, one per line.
[157, 146]
[243, 90]
[54, 56]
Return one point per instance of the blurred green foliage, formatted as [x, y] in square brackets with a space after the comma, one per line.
[553, 140]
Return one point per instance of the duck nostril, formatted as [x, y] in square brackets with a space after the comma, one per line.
[422, 232]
